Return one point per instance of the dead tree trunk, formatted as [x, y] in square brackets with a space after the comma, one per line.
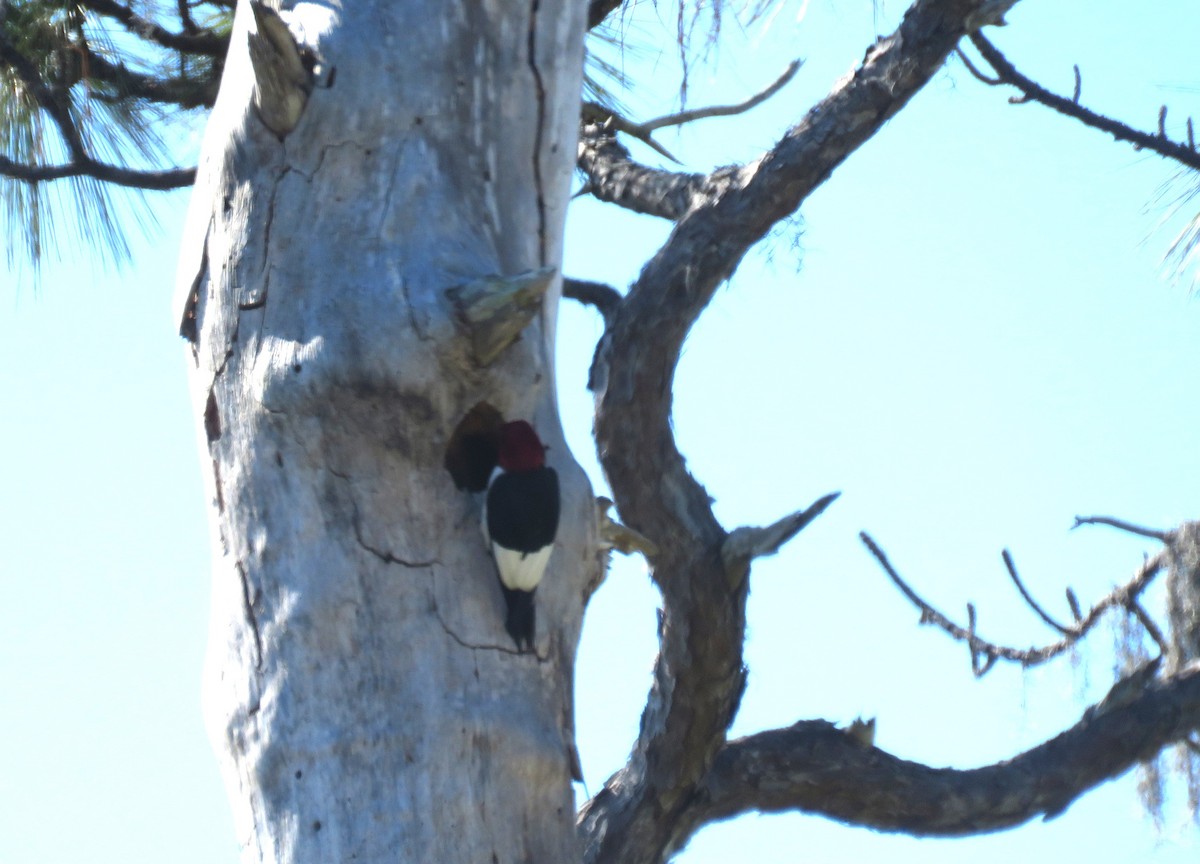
[377, 170]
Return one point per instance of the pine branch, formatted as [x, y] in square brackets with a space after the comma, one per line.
[206, 42]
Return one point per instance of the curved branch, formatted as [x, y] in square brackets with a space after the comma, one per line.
[722, 110]
[1124, 596]
[1032, 91]
[613, 176]
[603, 298]
[816, 768]
[1046, 617]
[1122, 525]
[698, 675]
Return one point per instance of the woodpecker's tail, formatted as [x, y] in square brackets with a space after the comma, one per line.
[519, 621]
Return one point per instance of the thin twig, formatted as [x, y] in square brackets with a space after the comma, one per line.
[594, 113]
[975, 70]
[724, 110]
[1031, 90]
[1078, 85]
[1073, 605]
[1161, 536]
[1033, 604]
[1123, 596]
[1152, 629]
[930, 615]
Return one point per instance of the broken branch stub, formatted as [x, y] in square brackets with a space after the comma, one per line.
[495, 309]
[283, 80]
[745, 544]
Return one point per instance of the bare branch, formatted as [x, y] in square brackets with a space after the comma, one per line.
[613, 176]
[595, 114]
[603, 298]
[1154, 534]
[1073, 604]
[816, 768]
[1152, 629]
[699, 674]
[1123, 597]
[1032, 91]
[720, 110]
[975, 70]
[745, 544]
[610, 121]
[1033, 604]
[930, 615]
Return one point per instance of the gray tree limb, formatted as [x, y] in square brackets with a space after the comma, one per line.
[815, 767]
[699, 674]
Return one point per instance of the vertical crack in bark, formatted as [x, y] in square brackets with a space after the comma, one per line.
[539, 131]
[189, 325]
[258, 299]
[251, 618]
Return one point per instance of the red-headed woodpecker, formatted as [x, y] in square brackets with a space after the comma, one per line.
[520, 521]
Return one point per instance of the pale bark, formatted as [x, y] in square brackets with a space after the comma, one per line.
[361, 692]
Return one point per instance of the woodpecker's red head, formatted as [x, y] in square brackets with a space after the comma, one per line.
[520, 447]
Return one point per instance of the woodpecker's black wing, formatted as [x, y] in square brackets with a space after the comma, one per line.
[522, 509]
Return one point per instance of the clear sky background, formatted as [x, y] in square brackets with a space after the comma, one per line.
[970, 333]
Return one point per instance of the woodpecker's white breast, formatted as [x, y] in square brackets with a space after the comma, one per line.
[521, 571]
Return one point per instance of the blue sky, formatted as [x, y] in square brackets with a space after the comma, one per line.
[974, 339]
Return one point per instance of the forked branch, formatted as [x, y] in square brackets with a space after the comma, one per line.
[699, 676]
[204, 42]
[985, 653]
[1031, 91]
[613, 175]
[53, 98]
